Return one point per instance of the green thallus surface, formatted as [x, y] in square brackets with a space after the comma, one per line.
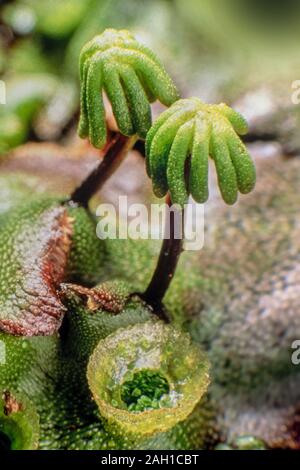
[19, 424]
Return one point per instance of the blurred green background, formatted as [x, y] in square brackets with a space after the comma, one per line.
[244, 52]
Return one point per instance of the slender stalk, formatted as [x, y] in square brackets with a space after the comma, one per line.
[167, 262]
[173, 241]
[114, 156]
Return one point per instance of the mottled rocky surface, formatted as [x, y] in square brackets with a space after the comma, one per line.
[248, 315]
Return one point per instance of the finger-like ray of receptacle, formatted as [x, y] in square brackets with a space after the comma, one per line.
[117, 98]
[133, 44]
[148, 52]
[225, 170]
[83, 127]
[198, 181]
[179, 152]
[155, 127]
[151, 97]
[138, 103]
[243, 164]
[85, 55]
[154, 75]
[238, 121]
[103, 42]
[95, 106]
[160, 149]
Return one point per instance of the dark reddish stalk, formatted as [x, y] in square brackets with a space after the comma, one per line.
[168, 259]
[172, 244]
[114, 156]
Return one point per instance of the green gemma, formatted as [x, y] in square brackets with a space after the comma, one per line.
[180, 142]
[132, 77]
